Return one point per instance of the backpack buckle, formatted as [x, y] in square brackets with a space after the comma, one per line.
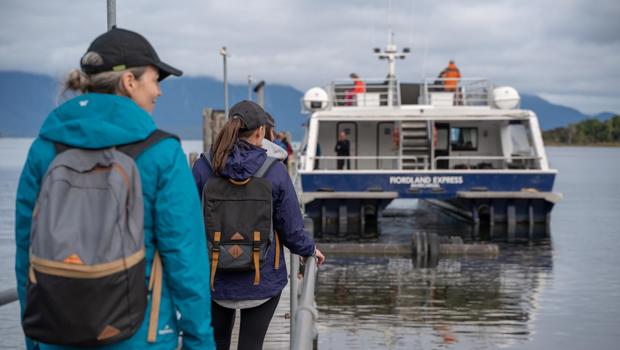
[256, 242]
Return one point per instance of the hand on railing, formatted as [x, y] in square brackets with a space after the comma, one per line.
[320, 258]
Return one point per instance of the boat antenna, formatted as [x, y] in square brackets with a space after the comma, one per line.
[424, 58]
[391, 54]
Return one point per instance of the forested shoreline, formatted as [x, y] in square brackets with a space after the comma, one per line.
[590, 132]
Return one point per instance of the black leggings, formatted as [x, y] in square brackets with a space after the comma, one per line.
[254, 324]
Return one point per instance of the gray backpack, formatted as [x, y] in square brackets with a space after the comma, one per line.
[239, 222]
[86, 284]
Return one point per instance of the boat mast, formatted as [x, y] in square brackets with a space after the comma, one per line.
[391, 54]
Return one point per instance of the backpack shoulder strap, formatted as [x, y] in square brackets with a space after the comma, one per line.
[60, 147]
[265, 167]
[208, 158]
[134, 150]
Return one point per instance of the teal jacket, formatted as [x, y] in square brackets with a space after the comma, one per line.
[173, 221]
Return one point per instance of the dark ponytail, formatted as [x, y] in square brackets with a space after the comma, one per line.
[225, 141]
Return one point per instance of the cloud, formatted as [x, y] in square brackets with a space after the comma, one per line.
[558, 48]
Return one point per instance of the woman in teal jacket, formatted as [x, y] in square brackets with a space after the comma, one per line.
[120, 80]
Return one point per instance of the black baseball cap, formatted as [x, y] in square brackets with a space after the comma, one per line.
[252, 115]
[270, 121]
[121, 49]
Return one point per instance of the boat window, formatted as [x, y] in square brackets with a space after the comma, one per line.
[442, 139]
[520, 141]
[464, 139]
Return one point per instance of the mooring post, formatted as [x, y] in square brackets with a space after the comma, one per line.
[491, 220]
[511, 217]
[531, 220]
[343, 218]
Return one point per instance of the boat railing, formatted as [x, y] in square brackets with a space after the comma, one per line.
[422, 162]
[483, 162]
[447, 92]
[398, 162]
[367, 93]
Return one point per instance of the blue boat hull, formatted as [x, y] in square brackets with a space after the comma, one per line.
[495, 198]
[427, 185]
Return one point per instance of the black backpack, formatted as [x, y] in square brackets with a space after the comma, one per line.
[239, 222]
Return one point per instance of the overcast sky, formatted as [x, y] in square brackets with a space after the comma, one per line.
[567, 51]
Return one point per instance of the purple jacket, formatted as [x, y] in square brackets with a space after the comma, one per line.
[243, 161]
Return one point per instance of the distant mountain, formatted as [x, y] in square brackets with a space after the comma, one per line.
[26, 99]
[551, 115]
[180, 107]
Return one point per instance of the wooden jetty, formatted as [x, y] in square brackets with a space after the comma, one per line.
[278, 334]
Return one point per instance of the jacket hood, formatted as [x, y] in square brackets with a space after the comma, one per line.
[243, 161]
[273, 150]
[97, 121]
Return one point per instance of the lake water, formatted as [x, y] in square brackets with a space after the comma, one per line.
[557, 293]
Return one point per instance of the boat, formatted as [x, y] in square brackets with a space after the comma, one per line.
[470, 150]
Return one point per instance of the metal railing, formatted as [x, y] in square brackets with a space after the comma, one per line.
[457, 92]
[376, 92]
[8, 296]
[522, 162]
[303, 306]
[416, 161]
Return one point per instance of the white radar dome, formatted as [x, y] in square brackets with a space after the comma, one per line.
[506, 97]
[315, 99]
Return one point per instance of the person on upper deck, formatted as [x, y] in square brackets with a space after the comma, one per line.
[451, 76]
[359, 87]
[237, 156]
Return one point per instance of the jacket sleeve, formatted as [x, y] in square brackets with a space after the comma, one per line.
[179, 232]
[40, 155]
[288, 222]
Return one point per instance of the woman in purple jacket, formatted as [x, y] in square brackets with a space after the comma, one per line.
[237, 155]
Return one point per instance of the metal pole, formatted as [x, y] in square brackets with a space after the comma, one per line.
[8, 296]
[111, 14]
[259, 90]
[249, 88]
[224, 56]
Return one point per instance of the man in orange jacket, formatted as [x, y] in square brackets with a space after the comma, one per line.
[451, 75]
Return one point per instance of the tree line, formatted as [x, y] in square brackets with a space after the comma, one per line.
[587, 132]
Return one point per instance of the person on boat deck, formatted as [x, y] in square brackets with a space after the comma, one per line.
[287, 147]
[237, 155]
[117, 87]
[451, 76]
[359, 87]
[342, 149]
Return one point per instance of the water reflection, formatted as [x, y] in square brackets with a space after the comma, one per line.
[465, 302]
